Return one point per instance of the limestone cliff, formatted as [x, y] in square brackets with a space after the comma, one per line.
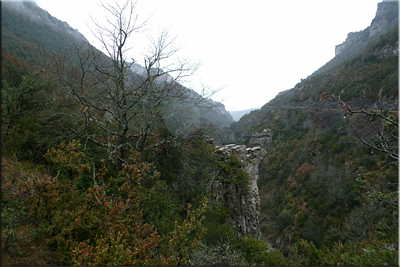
[262, 139]
[364, 71]
[243, 202]
[386, 19]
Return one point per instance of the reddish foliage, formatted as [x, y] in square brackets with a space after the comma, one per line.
[304, 170]
[346, 109]
[324, 96]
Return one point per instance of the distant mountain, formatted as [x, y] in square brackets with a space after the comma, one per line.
[27, 30]
[237, 114]
[207, 109]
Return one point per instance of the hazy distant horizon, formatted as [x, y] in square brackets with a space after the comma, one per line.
[252, 49]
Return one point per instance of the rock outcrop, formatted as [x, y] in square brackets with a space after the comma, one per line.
[386, 19]
[243, 203]
[262, 139]
[388, 51]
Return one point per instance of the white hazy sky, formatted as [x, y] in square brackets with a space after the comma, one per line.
[251, 49]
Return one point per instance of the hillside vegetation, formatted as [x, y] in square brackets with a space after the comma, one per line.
[329, 185]
[119, 183]
[368, 76]
[102, 165]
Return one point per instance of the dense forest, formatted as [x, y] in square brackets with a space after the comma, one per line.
[103, 164]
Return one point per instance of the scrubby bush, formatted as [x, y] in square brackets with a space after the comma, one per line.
[220, 254]
[256, 252]
[103, 226]
[313, 233]
[283, 220]
[232, 172]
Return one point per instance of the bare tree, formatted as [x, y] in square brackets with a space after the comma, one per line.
[121, 109]
[377, 130]
[381, 134]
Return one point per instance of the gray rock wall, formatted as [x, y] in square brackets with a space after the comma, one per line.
[244, 205]
[386, 19]
[262, 139]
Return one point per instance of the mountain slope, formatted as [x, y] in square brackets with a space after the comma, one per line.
[317, 178]
[28, 30]
[204, 108]
[317, 195]
[365, 68]
[237, 114]
[386, 20]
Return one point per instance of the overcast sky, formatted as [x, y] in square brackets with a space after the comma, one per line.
[251, 49]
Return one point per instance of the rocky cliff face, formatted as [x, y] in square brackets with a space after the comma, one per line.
[263, 138]
[386, 19]
[389, 50]
[364, 71]
[243, 204]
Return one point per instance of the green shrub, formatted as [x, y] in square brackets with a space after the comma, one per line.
[241, 179]
[220, 254]
[217, 232]
[283, 220]
[233, 172]
[363, 253]
[301, 219]
[313, 233]
[254, 251]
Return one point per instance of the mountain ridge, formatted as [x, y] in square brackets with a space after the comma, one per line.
[369, 56]
[309, 180]
[41, 30]
[237, 114]
[385, 20]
